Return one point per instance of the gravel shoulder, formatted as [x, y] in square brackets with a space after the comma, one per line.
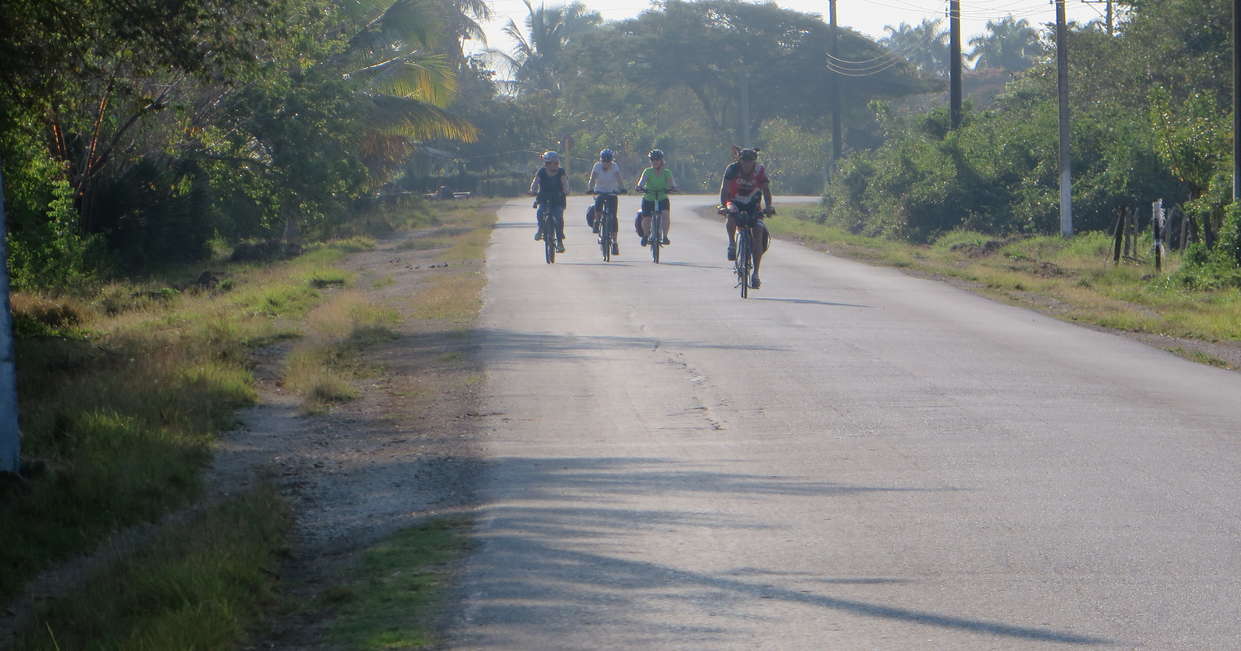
[402, 452]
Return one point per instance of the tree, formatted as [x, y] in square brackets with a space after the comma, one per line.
[924, 45]
[537, 61]
[1008, 44]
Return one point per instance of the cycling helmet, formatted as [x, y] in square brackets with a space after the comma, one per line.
[656, 154]
[606, 155]
[749, 154]
[550, 156]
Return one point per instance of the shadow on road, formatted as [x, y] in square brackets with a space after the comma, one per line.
[532, 578]
[806, 301]
[502, 345]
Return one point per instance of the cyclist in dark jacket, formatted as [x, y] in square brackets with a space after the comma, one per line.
[551, 190]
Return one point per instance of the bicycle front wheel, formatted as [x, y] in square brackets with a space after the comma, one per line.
[655, 235]
[743, 261]
[605, 237]
[549, 239]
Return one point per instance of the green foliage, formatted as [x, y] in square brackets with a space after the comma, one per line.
[138, 135]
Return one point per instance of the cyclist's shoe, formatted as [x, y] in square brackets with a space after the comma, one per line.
[732, 252]
[755, 283]
[666, 242]
[615, 248]
[559, 247]
[644, 242]
[538, 235]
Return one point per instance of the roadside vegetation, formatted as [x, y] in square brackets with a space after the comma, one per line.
[393, 595]
[123, 392]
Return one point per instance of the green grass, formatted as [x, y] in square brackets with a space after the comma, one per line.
[122, 393]
[1073, 278]
[393, 598]
[323, 366]
[200, 584]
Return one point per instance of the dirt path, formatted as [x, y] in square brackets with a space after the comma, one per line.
[403, 451]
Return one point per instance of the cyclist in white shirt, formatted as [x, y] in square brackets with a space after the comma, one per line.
[605, 177]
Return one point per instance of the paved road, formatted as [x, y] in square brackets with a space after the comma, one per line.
[852, 458]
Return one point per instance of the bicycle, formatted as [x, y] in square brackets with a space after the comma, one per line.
[747, 220]
[547, 224]
[655, 235]
[607, 223]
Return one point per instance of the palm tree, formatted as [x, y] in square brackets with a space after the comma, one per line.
[402, 85]
[925, 45]
[1009, 44]
[536, 59]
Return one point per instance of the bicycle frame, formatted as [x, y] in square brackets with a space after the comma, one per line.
[549, 233]
[607, 223]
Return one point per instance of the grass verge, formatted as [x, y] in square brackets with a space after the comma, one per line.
[200, 584]
[1071, 278]
[394, 597]
[123, 392]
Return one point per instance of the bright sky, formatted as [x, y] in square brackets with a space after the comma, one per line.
[866, 16]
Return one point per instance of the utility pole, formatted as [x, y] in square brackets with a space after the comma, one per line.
[1062, 87]
[1236, 102]
[954, 63]
[745, 108]
[836, 137]
[10, 435]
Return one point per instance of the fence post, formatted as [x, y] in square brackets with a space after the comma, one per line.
[1118, 235]
[1157, 232]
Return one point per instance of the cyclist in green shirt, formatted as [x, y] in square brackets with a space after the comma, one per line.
[655, 184]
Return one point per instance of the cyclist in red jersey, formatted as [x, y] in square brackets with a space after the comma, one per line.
[744, 188]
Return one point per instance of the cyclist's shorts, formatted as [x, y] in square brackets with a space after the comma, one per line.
[648, 205]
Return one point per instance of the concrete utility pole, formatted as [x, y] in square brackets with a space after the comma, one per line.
[954, 63]
[1236, 101]
[10, 436]
[836, 137]
[1062, 86]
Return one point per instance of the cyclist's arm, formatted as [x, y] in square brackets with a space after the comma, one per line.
[534, 185]
[767, 197]
[672, 183]
[564, 184]
[590, 183]
[641, 186]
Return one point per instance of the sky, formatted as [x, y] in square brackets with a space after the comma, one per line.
[866, 16]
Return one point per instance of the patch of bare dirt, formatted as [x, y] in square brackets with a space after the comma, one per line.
[403, 451]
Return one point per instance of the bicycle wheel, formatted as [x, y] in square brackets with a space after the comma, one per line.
[743, 260]
[549, 239]
[605, 236]
[655, 235]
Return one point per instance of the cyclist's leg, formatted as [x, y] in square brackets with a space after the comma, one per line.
[730, 226]
[648, 207]
[556, 213]
[612, 200]
[664, 211]
[759, 244]
[538, 215]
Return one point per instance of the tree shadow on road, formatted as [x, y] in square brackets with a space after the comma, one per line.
[543, 568]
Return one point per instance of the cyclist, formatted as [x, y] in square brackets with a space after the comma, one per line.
[744, 187]
[655, 184]
[605, 177]
[551, 189]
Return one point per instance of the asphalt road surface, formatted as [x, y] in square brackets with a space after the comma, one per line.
[850, 458]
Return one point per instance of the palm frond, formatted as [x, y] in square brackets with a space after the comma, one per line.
[410, 118]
